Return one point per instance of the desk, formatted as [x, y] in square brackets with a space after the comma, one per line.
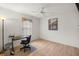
[14, 38]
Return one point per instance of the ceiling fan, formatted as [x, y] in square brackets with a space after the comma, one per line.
[42, 12]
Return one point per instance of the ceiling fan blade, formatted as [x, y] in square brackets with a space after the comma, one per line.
[35, 11]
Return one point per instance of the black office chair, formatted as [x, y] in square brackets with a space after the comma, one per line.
[25, 43]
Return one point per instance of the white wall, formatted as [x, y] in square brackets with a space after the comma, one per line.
[68, 25]
[36, 29]
[13, 25]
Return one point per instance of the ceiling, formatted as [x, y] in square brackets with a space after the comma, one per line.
[30, 8]
[26, 8]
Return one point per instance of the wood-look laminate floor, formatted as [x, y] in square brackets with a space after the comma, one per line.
[45, 48]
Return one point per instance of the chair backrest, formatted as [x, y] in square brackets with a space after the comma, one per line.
[29, 39]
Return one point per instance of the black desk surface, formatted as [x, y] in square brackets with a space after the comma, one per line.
[17, 37]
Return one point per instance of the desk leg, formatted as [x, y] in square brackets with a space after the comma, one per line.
[12, 49]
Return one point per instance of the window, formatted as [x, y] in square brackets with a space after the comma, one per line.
[27, 27]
